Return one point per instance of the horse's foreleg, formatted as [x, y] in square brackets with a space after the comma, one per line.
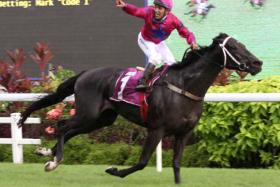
[154, 137]
[180, 142]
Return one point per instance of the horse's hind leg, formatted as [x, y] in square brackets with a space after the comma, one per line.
[63, 127]
[70, 130]
[42, 151]
[154, 137]
[106, 118]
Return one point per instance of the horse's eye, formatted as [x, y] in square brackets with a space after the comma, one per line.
[241, 44]
[233, 47]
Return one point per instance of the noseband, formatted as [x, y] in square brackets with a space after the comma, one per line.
[241, 66]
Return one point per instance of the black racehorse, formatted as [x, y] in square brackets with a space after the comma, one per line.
[175, 103]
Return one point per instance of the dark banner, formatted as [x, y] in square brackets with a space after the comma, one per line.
[82, 34]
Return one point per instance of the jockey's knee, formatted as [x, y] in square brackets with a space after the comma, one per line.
[169, 63]
[155, 59]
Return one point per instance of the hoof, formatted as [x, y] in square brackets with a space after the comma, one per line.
[42, 151]
[50, 166]
[112, 171]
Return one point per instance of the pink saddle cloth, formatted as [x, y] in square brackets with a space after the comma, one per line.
[127, 82]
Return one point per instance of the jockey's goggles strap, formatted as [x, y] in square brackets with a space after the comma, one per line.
[183, 92]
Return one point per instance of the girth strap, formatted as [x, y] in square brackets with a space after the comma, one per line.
[183, 92]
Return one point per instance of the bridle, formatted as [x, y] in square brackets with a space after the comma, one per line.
[241, 66]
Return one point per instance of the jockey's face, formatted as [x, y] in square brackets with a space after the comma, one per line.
[160, 12]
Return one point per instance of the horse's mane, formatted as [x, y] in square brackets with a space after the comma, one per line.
[190, 56]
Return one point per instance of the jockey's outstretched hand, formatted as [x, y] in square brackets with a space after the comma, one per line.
[194, 46]
[120, 3]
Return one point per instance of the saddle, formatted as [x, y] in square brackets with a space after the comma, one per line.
[126, 84]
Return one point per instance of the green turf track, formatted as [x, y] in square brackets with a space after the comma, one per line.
[29, 175]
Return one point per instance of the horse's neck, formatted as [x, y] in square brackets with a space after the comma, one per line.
[203, 75]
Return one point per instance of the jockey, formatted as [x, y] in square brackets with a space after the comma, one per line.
[159, 23]
[202, 7]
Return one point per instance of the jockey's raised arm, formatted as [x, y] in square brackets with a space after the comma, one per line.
[159, 23]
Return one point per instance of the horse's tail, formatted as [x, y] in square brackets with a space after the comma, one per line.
[64, 90]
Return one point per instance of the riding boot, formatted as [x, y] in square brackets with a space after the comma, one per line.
[142, 83]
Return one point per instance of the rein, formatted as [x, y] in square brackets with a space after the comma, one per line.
[225, 52]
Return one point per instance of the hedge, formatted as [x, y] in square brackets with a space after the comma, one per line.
[242, 134]
[82, 150]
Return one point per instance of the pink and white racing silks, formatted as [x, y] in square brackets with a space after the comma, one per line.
[158, 31]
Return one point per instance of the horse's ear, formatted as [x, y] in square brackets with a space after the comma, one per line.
[223, 35]
[220, 38]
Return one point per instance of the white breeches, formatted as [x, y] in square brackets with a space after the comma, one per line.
[156, 53]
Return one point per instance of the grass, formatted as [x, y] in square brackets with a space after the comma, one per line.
[29, 175]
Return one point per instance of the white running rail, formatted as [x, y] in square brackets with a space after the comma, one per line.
[16, 139]
[210, 97]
